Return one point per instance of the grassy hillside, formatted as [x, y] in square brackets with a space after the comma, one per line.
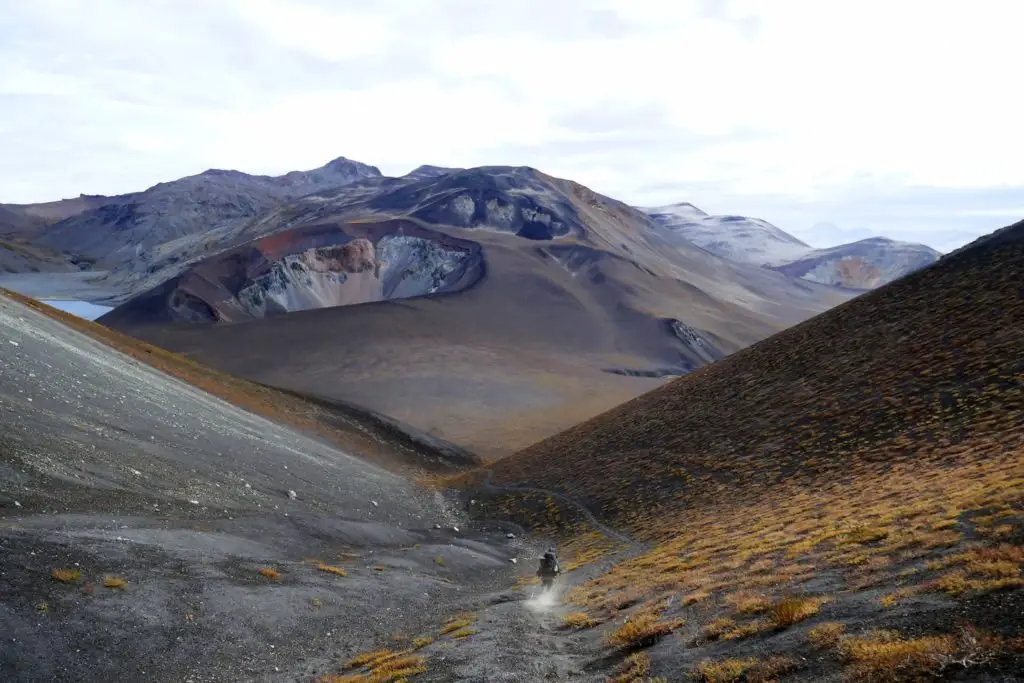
[844, 499]
[358, 431]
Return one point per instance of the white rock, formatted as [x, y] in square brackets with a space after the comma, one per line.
[194, 502]
[13, 343]
[510, 535]
[375, 504]
[455, 528]
[292, 494]
[513, 560]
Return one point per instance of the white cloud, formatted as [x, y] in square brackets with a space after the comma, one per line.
[798, 107]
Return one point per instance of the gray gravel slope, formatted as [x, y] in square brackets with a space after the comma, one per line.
[110, 468]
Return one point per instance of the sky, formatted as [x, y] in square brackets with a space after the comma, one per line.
[834, 119]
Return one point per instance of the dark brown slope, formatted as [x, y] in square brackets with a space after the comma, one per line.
[934, 360]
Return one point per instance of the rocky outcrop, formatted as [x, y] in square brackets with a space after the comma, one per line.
[397, 267]
[698, 348]
[505, 199]
[316, 267]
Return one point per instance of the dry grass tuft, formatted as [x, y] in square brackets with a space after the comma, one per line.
[724, 628]
[421, 642]
[269, 572]
[747, 670]
[382, 666]
[115, 582]
[578, 620]
[888, 657]
[885, 659]
[826, 635]
[791, 610]
[745, 602]
[337, 571]
[66, 575]
[719, 628]
[641, 630]
[633, 669]
[458, 623]
[368, 658]
[397, 668]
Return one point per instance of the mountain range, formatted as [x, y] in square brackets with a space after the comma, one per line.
[504, 290]
[864, 264]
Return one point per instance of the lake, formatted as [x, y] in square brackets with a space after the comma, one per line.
[83, 309]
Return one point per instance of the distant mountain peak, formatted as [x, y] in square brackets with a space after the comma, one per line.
[426, 171]
[737, 238]
[220, 172]
[681, 209]
[344, 163]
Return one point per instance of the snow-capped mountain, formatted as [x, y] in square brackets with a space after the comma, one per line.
[737, 238]
[864, 264]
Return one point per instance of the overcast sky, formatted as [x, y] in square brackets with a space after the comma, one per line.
[833, 119]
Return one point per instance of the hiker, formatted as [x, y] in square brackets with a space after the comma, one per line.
[548, 569]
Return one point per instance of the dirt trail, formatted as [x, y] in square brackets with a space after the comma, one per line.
[519, 634]
[490, 487]
[517, 638]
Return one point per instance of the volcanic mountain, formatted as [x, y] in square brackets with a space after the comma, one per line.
[527, 302]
